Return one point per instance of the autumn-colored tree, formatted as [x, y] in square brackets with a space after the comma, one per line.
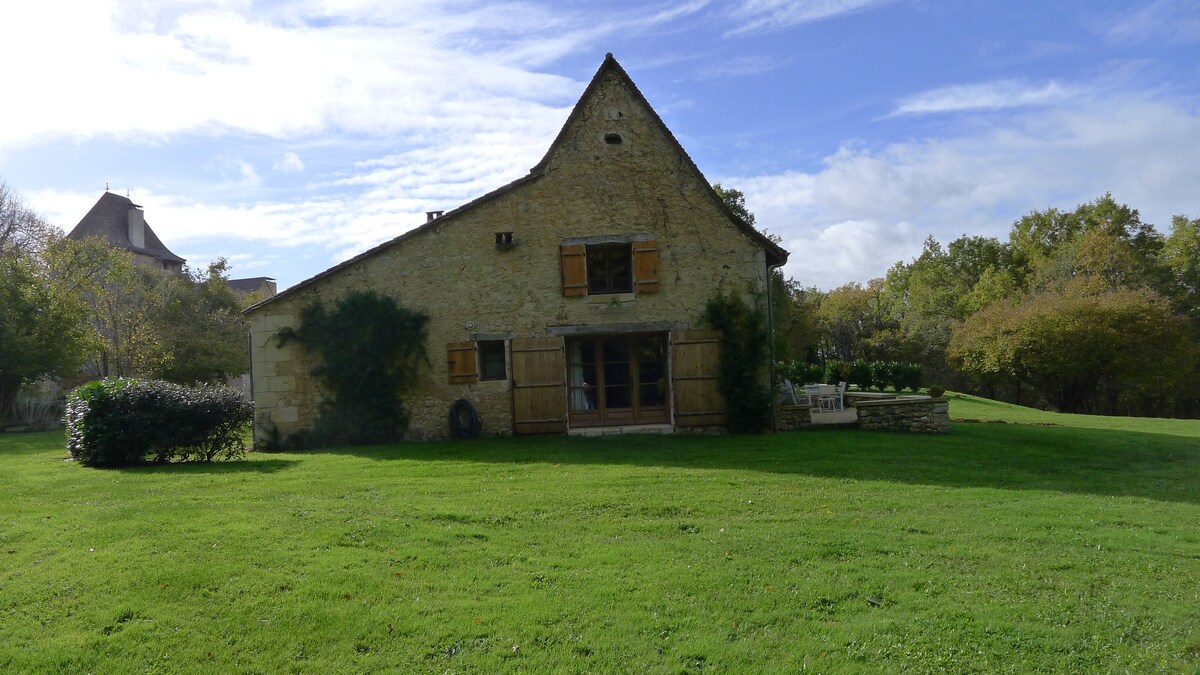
[1082, 351]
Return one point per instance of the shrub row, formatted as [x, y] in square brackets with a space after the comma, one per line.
[120, 422]
[866, 374]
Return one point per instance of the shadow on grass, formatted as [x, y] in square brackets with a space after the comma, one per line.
[32, 443]
[241, 466]
[1003, 456]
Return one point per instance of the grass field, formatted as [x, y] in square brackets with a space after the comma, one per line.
[998, 547]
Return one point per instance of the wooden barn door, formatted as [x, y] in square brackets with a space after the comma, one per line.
[695, 363]
[539, 386]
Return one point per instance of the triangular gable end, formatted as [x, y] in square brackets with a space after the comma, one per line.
[776, 255]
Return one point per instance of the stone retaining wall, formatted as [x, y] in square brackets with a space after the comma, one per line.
[923, 415]
[792, 418]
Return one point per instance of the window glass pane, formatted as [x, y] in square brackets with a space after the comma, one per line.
[616, 350]
[651, 372]
[491, 358]
[651, 395]
[583, 375]
[617, 397]
[621, 271]
[652, 348]
[610, 268]
[597, 270]
[616, 373]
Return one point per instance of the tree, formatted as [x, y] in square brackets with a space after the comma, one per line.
[123, 303]
[40, 329]
[1047, 244]
[855, 323]
[736, 201]
[1181, 258]
[794, 317]
[40, 335]
[144, 322]
[22, 230]
[1082, 351]
[201, 327]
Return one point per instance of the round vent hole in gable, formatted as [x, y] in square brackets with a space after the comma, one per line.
[612, 138]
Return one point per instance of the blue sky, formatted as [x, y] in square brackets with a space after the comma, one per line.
[288, 136]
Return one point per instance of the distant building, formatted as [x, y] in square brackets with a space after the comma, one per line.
[265, 286]
[122, 224]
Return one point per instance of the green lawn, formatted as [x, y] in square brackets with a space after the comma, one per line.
[998, 547]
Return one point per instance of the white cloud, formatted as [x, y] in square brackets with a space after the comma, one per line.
[289, 163]
[986, 96]
[753, 16]
[741, 66]
[1170, 21]
[866, 209]
[285, 70]
[204, 67]
[249, 175]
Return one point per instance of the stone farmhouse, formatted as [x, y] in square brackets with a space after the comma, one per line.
[566, 301]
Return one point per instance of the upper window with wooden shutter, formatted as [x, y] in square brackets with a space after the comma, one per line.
[609, 268]
[645, 266]
[460, 362]
[574, 269]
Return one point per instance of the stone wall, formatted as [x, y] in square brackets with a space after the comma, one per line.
[792, 418]
[472, 289]
[923, 415]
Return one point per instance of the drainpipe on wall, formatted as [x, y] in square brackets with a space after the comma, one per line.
[250, 360]
[771, 345]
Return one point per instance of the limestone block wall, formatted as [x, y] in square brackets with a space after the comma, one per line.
[929, 415]
[792, 418]
[472, 289]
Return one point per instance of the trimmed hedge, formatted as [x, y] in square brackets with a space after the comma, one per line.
[798, 372]
[867, 375]
[121, 422]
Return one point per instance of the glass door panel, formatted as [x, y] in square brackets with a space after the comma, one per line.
[615, 380]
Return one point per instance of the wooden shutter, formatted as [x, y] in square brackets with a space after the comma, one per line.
[539, 386]
[574, 269]
[460, 362]
[695, 364]
[645, 266]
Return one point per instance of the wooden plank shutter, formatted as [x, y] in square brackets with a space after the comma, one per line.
[645, 266]
[574, 269]
[460, 362]
[695, 365]
[539, 386]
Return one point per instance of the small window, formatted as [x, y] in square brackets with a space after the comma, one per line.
[612, 138]
[491, 360]
[609, 269]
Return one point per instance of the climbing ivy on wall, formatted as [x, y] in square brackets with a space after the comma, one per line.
[369, 351]
[742, 377]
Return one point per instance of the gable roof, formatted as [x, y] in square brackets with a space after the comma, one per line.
[776, 255]
[109, 220]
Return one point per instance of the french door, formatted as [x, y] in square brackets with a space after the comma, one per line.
[617, 379]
